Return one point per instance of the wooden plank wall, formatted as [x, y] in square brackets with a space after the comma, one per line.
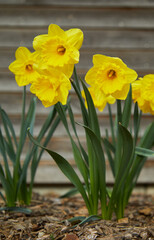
[116, 28]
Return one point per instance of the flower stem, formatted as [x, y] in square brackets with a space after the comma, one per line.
[20, 144]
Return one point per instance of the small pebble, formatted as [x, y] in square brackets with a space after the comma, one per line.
[144, 235]
[128, 236]
[40, 234]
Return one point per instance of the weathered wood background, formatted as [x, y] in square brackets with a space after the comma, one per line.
[123, 28]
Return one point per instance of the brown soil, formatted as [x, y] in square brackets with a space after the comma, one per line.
[50, 220]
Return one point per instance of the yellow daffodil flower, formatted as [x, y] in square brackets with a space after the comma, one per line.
[99, 98]
[143, 93]
[111, 75]
[51, 86]
[59, 48]
[22, 67]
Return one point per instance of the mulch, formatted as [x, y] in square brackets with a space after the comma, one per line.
[50, 219]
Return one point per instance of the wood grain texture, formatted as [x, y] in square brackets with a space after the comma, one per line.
[93, 38]
[97, 18]
[85, 3]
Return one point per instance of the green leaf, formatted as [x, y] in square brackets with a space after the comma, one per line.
[94, 124]
[137, 119]
[125, 162]
[70, 193]
[76, 80]
[77, 155]
[3, 152]
[67, 169]
[80, 162]
[84, 154]
[76, 220]
[10, 151]
[119, 112]
[109, 145]
[83, 108]
[47, 123]
[8, 127]
[33, 154]
[127, 109]
[144, 152]
[8, 188]
[79, 221]
[147, 141]
[2, 196]
[89, 219]
[127, 149]
[99, 166]
[62, 114]
[111, 124]
[16, 209]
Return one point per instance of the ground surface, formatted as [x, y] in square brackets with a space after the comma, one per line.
[50, 215]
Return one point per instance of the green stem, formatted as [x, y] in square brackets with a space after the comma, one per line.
[93, 179]
[119, 115]
[20, 145]
[137, 127]
[111, 124]
[118, 143]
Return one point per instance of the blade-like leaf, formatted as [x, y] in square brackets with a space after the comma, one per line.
[77, 155]
[127, 109]
[110, 158]
[67, 169]
[144, 152]
[109, 145]
[94, 124]
[10, 151]
[70, 193]
[7, 122]
[3, 152]
[83, 108]
[8, 188]
[16, 209]
[79, 221]
[147, 141]
[137, 119]
[100, 165]
[125, 162]
[2, 196]
[76, 80]
[111, 124]
[47, 123]
[127, 149]
[75, 132]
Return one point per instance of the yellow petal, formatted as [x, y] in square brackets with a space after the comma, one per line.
[75, 37]
[74, 56]
[22, 80]
[39, 41]
[51, 87]
[22, 53]
[16, 67]
[54, 30]
[110, 99]
[99, 60]
[91, 75]
[122, 94]
[67, 69]
[99, 98]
